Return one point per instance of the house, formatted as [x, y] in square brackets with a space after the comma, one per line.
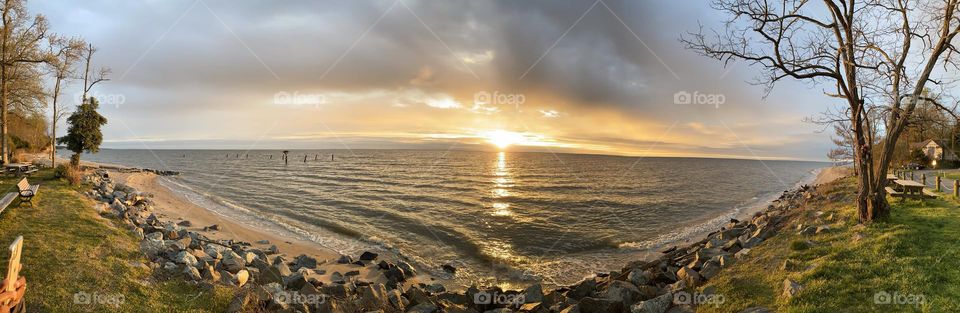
[936, 150]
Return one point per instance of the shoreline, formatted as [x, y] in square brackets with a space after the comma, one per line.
[291, 243]
[181, 251]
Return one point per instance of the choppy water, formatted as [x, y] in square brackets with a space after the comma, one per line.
[499, 217]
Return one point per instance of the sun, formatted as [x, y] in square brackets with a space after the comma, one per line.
[503, 139]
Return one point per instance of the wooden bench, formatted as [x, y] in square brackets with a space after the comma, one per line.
[27, 191]
[929, 194]
[894, 193]
[7, 200]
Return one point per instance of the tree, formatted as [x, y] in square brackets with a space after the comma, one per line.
[84, 131]
[873, 54]
[66, 52]
[20, 38]
[90, 81]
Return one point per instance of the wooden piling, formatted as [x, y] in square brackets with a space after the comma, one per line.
[315, 156]
[911, 175]
[304, 158]
[956, 188]
[938, 183]
[923, 178]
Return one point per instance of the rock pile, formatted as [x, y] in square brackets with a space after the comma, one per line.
[271, 282]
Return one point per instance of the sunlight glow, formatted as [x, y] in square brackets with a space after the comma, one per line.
[503, 139]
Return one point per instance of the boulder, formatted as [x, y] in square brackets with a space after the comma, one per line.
[210, 274]
[449, 268]
[345, 259]
[582, 289]
[599, 305]
[368, 256]
[304, 261]
[191, 273]
[623, 292]
[655, 305]
[426, 307]
[809, 230]
[272, 250]
[373, 297]
[822, 229]
[185, 223]
[690, 276]
[242, 277]
[533, 294]
[186, 258]
[791, 288]
[710, 269]
[639, 278]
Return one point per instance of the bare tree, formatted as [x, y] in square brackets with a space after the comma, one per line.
[20, 40]
[88, 81]
[66, 53]
[872, 53]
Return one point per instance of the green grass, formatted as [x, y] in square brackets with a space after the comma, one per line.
[70, 249]
[913, 253]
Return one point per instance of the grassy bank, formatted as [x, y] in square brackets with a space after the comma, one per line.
[78, 261]
[907, 264]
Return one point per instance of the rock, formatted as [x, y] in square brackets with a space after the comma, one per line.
[598, 305]
[239, 302]
[263, 242]
[185, 223]
[368, 256]
[214, 227]
[809, 230]
[655, 305]
[304, 261]
[791, 288]
[423, 308]
[336, 277]
[690, 276]
[449, 268]
[242, 277]
[233, 262]
[583, 289]
[623, 292]
[154, 236]
[352, 273]
[295, 281]
[756, 310]
[434, 288]
[724, 260]
[533, 294]
[186, 258]
[272, 250]
[857, 237]
[192, 273]
[152, 248]
[345, 259]
[373, 297]
[822, 229]
[408, 269]
[710, 269]
[639, 278]
[648, 292]
[750, 243]
[742, 254]
[210, 274]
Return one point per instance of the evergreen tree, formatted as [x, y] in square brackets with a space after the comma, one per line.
[84, 134]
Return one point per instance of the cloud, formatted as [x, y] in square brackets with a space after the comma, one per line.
[193, 62]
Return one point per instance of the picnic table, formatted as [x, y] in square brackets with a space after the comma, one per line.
[891, 178]
[906, 189]
[19, 168]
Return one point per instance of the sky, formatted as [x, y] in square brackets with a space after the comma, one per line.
[607, 77]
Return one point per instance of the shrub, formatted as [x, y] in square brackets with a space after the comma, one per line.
[70, 173]
[798, 245]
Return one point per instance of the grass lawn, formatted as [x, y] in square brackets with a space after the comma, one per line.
[911, 257]
[78, 261]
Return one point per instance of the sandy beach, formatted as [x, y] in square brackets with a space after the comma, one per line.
[830, 174]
